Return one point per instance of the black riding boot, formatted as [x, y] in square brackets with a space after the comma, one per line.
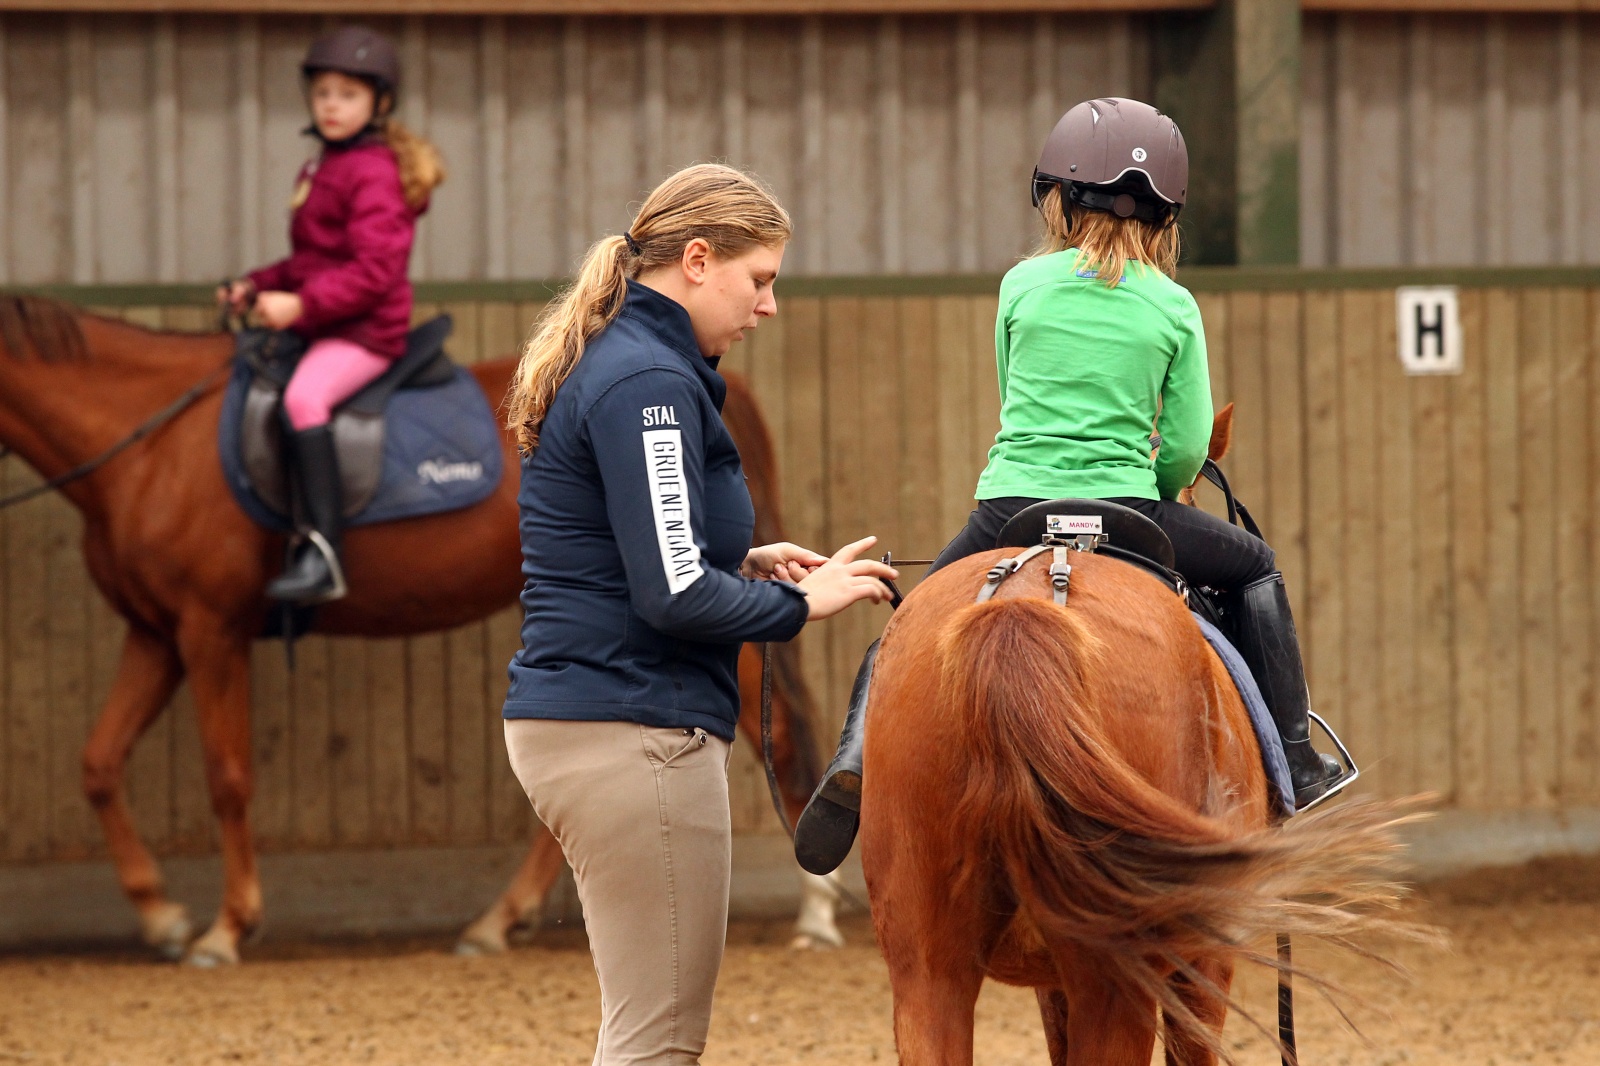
[315, 575]
[827, 827]
[1264, 629]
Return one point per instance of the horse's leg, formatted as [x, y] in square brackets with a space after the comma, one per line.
[935, 993]
[218, 662]
[1053, 1012]
[1107, 1026]
[1211, 1007]
[522, 900]
[147, 675]
[817, 926]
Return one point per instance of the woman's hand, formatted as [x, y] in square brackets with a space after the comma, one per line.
[236, 296]
[783, 561]
[844, 580]
[278, 310]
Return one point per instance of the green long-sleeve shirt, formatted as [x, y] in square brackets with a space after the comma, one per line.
[1084, 368]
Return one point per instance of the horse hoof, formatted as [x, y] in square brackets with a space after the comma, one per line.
[214, 949]
[167, 929]
[472, 945]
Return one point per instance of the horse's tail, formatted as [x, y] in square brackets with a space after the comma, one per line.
[1099, 860]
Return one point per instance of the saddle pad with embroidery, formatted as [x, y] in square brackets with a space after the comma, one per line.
[1272, 757]
[431, 449]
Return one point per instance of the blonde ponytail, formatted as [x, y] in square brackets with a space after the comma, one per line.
[421, 166]
[727, 208]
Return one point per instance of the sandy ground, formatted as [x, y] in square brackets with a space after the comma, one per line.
[1520, 983]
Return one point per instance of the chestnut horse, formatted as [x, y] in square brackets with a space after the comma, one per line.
[182, 564]
[1072, 799]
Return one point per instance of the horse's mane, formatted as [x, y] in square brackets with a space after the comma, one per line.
[49, 328]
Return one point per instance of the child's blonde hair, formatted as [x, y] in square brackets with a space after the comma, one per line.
[1106, 243]
[421, 166]
[730, 210]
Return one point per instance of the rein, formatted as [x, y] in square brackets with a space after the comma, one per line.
[144, 429]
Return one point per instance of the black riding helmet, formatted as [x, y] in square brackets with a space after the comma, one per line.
[1116, 155]
[358, 52]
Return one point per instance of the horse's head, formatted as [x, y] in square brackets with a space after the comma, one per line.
[1221, 441]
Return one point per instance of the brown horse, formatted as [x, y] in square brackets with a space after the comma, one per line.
[172, 553]
[1072, 799]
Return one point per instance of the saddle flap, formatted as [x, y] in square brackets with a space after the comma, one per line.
[424, 364]
[1123, 527]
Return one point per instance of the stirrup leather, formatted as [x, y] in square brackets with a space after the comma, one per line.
[1351, 771]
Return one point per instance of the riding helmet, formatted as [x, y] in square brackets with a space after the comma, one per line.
[1116, 155]
[358, 52]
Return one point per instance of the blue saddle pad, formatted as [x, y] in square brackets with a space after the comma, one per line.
[1272, 757]
[440, 452]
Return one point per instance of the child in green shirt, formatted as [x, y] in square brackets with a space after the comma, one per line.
[1095, 344]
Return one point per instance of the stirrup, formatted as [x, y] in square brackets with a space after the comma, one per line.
[1351, 771]
[330, 558]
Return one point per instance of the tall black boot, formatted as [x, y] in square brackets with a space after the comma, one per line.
[315, 574]
[1264, 630]
[827, 827]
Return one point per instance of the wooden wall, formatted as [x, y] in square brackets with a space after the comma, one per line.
[140, 148]
[1436, 534]
[1450, 139]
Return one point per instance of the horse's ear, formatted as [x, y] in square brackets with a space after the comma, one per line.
[1221, 434]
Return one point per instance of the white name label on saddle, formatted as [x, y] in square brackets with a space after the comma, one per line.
[1072, 525]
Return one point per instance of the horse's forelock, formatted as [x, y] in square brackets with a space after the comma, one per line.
[47, 328]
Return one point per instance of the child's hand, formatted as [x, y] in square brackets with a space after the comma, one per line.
[278, 310]
[236, 296]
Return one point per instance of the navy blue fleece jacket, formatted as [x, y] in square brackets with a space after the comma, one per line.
[635, 518]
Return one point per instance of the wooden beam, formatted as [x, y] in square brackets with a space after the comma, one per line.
[598, 7]
[1449, 7]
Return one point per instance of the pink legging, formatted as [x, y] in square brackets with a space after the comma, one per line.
[331, 372]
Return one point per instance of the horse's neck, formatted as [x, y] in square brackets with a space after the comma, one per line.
[57, 414]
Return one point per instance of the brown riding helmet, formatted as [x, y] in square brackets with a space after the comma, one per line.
[358, 52]
[1116, 155]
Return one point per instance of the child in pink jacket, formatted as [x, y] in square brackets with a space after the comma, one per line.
[344, 286]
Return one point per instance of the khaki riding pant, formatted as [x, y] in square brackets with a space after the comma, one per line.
[642, 817]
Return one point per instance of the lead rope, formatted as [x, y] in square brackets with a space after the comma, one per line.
[1291, 1055]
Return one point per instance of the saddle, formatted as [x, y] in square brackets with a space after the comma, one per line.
[1106, 528]
[419, 440]
[358, 425]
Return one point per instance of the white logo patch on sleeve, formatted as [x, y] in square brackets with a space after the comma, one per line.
[669, 500]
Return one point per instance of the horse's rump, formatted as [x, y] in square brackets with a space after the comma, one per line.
[1110, 792]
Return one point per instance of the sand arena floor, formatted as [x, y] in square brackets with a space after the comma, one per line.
[1521, 983]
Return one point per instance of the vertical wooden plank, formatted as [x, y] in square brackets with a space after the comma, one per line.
[891, 166]
[1396, 720]
[510, 816]
[426, 717]
[847, 458]
[313, 786]
[1246, 354]
[734, 91]
[1008, 148]
[928, 151]
[81, 161]
[1504, 498]
[272, 809]
[67, 643]
[456, 246]
[958, 377]
[811, 220]
[922, 528]
[969, 176]
[1574, 578]
[985, 384]
[1475, 639]
[1325, 510]
[164, 132]
[1358, 387]
[27, 705]
[386, 742]
[1285, 419]
[536, 200]
[416, 110]
[246, 170]
[493, 115]
[38, 123]
[1434, 457]
[1536, 549]
[5, 172]
[349, 746]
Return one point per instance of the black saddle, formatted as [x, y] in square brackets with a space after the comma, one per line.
[358, 424]
[1125, 529]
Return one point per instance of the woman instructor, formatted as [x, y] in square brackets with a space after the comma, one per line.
[640, 587]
